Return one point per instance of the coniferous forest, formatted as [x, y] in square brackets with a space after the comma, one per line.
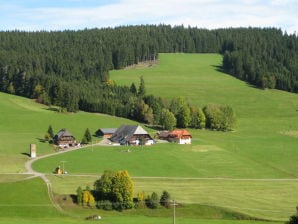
[70, 69]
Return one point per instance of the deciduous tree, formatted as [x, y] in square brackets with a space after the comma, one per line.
[167, 119]
[116, 187]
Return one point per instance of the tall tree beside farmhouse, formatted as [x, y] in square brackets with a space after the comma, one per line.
[143, 112]
[51, 132]
[181, 110]
[167, 119]
[87, 137]
[183, 117]
[156, 103]
[198, 118]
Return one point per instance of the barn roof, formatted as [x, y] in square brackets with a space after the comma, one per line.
[178, 133]
[125, 132]
[108, 130]
[63, 132]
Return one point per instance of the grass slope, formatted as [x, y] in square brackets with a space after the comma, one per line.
[26, 199]
[24, 122]
[267, 130]
[264, 144]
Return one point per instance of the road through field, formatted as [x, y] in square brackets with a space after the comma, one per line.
[200, 183]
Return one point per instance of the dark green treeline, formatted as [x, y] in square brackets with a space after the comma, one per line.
[70, 68]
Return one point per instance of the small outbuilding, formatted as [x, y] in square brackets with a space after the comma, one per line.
[105, 132]
[131, 135]
[64, 138]
[32, 150]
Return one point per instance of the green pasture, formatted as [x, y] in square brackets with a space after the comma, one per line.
[23, 122]
[267, 127]
[161, 160]
[129, 220]
[266, 199]
[26, 199]
[262, 146]
[28, 202]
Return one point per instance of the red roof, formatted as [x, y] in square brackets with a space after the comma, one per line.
[180, 133]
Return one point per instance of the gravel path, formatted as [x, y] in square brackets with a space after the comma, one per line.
[28, 167]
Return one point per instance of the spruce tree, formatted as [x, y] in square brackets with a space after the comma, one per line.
[165, 199]
[142, 89]
[51, 132]
[87, 137]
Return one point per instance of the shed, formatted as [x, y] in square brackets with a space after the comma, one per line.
[105, 132]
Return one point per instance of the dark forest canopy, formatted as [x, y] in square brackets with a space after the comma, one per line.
[71, 68]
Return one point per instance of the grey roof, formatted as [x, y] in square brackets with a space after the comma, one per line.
[108, 130]
[125, 132]
[63, 132]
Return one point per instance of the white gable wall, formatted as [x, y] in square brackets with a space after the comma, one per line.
[184, 141]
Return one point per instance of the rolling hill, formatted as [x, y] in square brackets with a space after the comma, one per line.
[252, 170]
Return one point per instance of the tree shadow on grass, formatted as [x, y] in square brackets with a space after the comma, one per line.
[42, 140]
[26, 154]
[154, 127]
[220, 68]
[55, 109]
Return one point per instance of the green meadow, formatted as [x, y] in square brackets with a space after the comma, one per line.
[252, 170]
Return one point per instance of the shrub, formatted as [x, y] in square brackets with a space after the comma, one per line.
[105, 205]
[152, 201]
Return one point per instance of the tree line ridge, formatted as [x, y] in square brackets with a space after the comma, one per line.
[70, 69]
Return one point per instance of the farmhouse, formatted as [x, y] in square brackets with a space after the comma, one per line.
[180, 136]
[105, 132]
[131, 135]
[64, 138]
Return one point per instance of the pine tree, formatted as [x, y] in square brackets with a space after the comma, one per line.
[87, 137]
[133, 89]
[142, 89]
[165, 199]
[50, 132]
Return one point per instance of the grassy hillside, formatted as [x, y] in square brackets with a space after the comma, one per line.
[267, 130]
[26, 199]
[23, 122]
[263, 146]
